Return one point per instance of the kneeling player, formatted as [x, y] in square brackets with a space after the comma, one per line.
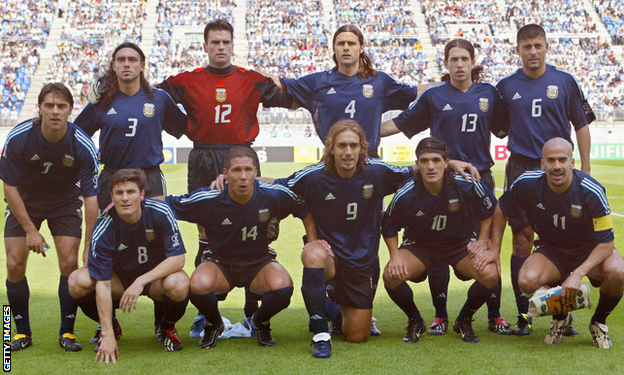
[434, 208]
[240, 223]
[136, 250]
[569, 211]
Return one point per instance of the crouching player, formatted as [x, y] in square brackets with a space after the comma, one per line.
[436, 209]
[240, 222]
[136, 250]
[569, 211]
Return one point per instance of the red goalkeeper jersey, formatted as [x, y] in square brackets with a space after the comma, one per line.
[221, 104]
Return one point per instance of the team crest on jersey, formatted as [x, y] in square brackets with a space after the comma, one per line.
[484, 104]
[220, 95]
[150, 235]
[552, 91]
[148, 110]
[453, 205]
[68, 161]
[368, 91]
[273, 229]
[263, 215]
[368, 191]
[576, 211]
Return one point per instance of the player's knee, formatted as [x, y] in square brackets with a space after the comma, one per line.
[177, 286]
[282, 280]
[68, 264]
[614, 276]
[16, 269]
[490, 277]
[314, 256]
[358, 336]
[80, 283]
[201, 283]
[528, 281]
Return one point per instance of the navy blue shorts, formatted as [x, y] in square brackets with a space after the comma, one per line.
[432, 257]
[63, 221]
[155, 185]
[355, 286]
[516, 166]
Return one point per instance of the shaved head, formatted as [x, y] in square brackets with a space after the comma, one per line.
[557, 143]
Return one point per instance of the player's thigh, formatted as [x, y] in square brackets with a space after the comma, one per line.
[117, 287]
[356, 323]
[415, 269]
[208, 277]
[488, 276]
[522, 238]
[67, 250]
[16, 257]
[273, 276]
[537, 271]
[611, 274]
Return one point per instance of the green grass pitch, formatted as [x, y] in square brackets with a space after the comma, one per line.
[141, 354]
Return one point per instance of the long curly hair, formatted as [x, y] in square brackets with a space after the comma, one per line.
[433, 143]
[330, 142]
[475, 74]
[366, 63]
[109, 80]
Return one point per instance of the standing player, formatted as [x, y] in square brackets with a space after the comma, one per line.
[345, 192]
[542, 100]
[240, 223]
[131, 116]
[221, 101]
[351, 90]
[480, 110]
[433, 207]
[569, 211]
[136, 250]
[47, 163]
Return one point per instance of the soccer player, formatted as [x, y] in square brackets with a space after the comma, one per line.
[131, 116]
[542, 101]
[434, 208]
[221, 101]
[240, 223]
[353, 89]
[569, 211]
[345, 192]
[46, 165]
[136, 250]
[479, 108]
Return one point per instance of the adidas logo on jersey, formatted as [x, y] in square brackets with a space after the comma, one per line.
[447, 107]
[331, 91]
[111, 111]
[516, 96]
[226, 222]
[122, 247]
[541, 206]
[420, 213]
[35, 157]
[330, 197]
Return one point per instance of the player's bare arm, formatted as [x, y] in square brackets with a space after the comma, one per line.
[275, 79]
[108, 350]
[91, 215]
[572, 284]
[583, 138]
[34, 239]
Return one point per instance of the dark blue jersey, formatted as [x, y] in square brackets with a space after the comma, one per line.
[131, 128]
[331, 96]
[464, 120]
[442, 220]
[237, 233]
[347, 212]
[577, 220]
[542, 109]
[134, 250]
[49, 174]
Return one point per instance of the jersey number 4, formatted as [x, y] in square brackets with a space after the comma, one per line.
[350, 110]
